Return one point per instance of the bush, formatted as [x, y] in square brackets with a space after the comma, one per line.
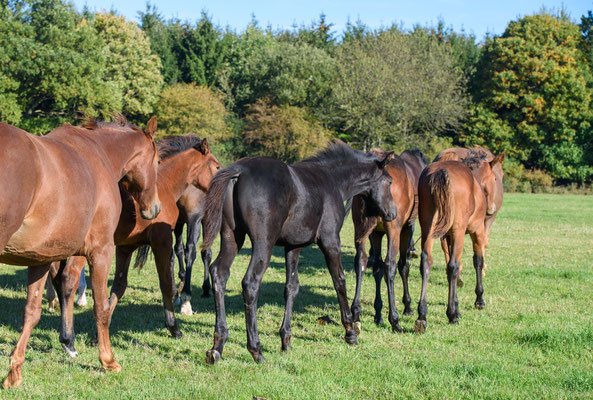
[286, 132]
[185, 108]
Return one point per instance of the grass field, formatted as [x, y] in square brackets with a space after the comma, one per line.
[534, 339]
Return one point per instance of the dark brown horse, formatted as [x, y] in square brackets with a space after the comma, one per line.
[192, 205]
[454, 198]
[459, 154]
[404, 172]
[185, 160]
[60, 198]
[290, 206]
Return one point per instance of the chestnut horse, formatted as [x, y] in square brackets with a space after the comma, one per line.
[459, 154]
[404, 172]
[60, 198]
[290, 206]
[454, 198]
[191, 206]
[185, 160]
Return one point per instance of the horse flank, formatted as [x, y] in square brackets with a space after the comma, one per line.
[440, 189]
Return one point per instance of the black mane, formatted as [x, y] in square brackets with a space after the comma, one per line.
[474, 158]
[338, 151]
[418, 154]
[172, 145]
[119, 121]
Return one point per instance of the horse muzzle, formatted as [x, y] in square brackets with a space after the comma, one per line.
[152, 212]
[492, 210]
[390, 215]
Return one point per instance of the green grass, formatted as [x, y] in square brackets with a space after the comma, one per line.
[534, 339]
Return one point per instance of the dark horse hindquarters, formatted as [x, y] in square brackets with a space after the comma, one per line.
[291, 206]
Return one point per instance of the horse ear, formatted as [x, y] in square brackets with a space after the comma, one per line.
[498, 159]
[386, 160]
[203, 147]
[150, 128]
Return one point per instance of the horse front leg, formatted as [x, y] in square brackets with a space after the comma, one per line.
[390, 266]
[403, 266]
[68, 279]
[291, 288]
[360, 260]
[36, 277]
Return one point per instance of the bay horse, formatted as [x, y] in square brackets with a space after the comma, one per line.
[60, 198]
[459, 154]
[404, 171]
[192, 205]
[185, 160]
[454, 198]
[289, 206]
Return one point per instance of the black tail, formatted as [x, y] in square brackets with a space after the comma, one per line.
[142, 256]
[214, 203]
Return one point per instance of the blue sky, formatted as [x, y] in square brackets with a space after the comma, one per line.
[476, 16]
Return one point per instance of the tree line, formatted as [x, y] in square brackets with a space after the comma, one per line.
[286, 92]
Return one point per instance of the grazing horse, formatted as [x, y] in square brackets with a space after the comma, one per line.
[290, 206]
[404, 171]
[60, 198]
[454, 198]
[459, 154]
[191, 206]
[185, 160]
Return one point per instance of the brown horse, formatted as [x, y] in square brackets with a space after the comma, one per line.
[192, 205]
[60, 198]
[454, 199]
[459, 154]
[185, 160]
[404, 172]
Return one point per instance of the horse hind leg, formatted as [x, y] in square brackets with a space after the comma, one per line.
[36, 280]
[193, 234]
[82, 301]
[67, 281]
[453, 270]
[479, 246]
[291, 289]
[403, 267]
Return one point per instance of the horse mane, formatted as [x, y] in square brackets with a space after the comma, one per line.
[418, 154]
[338, 151]
[474, 158]
[92, 123]
[172, 145]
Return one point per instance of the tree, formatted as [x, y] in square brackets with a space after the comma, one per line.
[131, 66]
[52, 66]
[187, 108]
[533, 84]
[285, 132]
[397, 89]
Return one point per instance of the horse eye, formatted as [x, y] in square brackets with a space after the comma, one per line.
[217, 168]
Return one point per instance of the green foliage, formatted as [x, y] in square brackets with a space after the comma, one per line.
[285, 132]
[533, 97]
[397, 89]
[55, 68]
[187, 108]
[131, 66]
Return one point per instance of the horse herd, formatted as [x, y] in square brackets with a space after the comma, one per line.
[81, 194]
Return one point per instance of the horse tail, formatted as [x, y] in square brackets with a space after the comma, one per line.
[440, 188]
[215, 198]
[142, 256]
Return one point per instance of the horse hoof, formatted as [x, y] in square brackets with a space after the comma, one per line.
[408, 311]
[81, 302]
[396, 328]
[454, 321]
[11, 381]
[176, 333]
[71, 351]
[420, 326]
[212, 357]
[95, 342]
[186, 309]
[259, 358]
[357, 328]
[379, 321]
[53, 305]
[112, 367]
[413, 253]
[459, 282]
[286, 347]
[480, 305]
[351, 339]
[205, 294]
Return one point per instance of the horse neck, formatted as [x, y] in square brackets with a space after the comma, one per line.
[348, 179]
[113, 143]
[174, 172]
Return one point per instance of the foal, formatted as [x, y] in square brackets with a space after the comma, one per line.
[185, 160]
[454, 198]
[290, 206]
[404, 173]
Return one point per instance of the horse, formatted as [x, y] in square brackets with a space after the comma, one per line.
[404, 171]
[458, 154]
[191, 206]
[454, 199]
[289, 206]
[60, 198]
[185, 160]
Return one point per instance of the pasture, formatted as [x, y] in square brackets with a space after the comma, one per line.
[534, 339]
